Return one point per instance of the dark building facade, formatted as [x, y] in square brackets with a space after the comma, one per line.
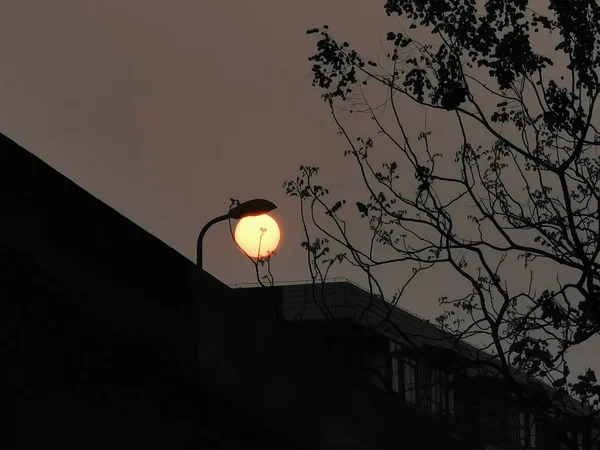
[431, 372]
[113, 339]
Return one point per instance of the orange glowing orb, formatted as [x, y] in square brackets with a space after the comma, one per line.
[257, 236]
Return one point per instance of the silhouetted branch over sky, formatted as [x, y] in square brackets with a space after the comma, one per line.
[509, 202]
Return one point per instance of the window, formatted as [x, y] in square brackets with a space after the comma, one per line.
[429, 388]
[450, 384]
[377, 368]
[410, 381]
[396, 358]
[437, 391]
[424, 386]
[404, 374]
[532, 432]
[521, 429]
[441, 392]
[395, 374]
[595, 440]
[577, 437]
[514, 428]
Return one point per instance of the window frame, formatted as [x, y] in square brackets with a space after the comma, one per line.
[419, 383]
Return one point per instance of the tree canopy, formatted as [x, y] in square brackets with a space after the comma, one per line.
[519, 81]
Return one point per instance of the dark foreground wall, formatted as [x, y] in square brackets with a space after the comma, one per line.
[98, 328]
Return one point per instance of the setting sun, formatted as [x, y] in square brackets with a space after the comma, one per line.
[257, 236]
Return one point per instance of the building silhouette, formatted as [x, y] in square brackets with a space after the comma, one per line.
[432, 372]
[99, 335]
[114, 339]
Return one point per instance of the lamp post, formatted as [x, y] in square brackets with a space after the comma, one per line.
[254, 207]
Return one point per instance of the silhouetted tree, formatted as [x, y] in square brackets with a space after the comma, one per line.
[523, 185]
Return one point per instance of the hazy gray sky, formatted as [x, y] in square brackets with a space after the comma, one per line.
[165, 110]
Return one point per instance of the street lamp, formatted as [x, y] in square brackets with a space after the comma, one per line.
[254, 207]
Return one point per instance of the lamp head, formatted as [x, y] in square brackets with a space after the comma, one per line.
[254, 207]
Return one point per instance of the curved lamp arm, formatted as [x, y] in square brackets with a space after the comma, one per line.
[201, 237]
